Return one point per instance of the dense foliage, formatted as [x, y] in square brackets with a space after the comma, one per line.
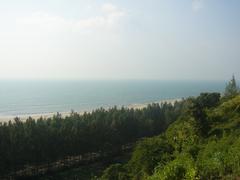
[196, 138]
[203, 143]
[46, 140]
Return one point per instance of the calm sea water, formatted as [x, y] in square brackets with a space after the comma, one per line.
[34, 97]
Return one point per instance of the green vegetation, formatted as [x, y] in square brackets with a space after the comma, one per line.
[203, 143]
[231, 88]
[197, 138]
[42, 141]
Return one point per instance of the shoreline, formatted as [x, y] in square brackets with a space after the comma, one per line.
[7, 118]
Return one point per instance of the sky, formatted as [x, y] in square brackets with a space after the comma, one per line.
[113, 39]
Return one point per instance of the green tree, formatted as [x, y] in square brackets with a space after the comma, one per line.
[231, 89]
[199, 106]
[149, 153]
[183, 167]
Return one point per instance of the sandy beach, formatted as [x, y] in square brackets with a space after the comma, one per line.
[64, 114]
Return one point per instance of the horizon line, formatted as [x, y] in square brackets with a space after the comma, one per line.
[108, 79]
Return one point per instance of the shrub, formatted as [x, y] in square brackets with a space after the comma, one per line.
[182, 167]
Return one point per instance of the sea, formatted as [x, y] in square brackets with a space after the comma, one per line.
[21, 97]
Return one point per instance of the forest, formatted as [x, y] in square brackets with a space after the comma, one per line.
[203, 143]
[42, 141]
[196, 138]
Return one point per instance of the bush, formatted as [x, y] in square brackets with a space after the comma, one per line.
[183, 134]
[148, 154]
[182, 167]
[220, 158]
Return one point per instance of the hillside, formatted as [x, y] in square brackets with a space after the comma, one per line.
[196, 138]
[204, 143]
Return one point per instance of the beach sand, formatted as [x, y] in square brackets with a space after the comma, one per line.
[64, 114]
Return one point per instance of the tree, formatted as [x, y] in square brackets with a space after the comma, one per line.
[231, 89]
[44, 141]
[198, 106]
[149, 153]
[183, 167]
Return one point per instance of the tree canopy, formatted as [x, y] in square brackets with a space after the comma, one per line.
[184, 152]
[103, 131]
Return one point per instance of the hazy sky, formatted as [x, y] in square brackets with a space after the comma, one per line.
[120, 39]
